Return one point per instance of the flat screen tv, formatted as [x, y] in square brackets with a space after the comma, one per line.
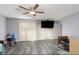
[47, 24]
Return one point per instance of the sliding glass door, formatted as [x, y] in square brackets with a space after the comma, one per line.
[27, 30]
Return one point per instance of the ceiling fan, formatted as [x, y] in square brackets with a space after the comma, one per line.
[33, 10]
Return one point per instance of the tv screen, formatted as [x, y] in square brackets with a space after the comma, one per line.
[47, 24]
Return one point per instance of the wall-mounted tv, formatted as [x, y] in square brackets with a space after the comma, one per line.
[47, 24]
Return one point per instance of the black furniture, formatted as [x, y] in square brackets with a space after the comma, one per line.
[1, 41]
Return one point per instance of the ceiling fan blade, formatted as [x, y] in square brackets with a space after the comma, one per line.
[39, 12]
[35, 7]
[26, 13]
[23, 8]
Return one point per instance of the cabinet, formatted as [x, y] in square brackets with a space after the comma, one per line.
[74, 46]
[64, 42]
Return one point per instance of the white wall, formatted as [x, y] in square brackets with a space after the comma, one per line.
[70, 26]
[49, 33]
[2, 27]
[13, 26]
[30, 30]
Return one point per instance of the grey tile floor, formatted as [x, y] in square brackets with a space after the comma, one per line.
[40, 47]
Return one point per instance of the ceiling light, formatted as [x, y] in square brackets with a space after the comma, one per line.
[32, 12]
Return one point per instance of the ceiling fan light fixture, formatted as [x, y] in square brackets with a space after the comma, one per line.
[32, 12]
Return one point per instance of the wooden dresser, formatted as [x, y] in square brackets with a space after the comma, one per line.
[74, 46]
